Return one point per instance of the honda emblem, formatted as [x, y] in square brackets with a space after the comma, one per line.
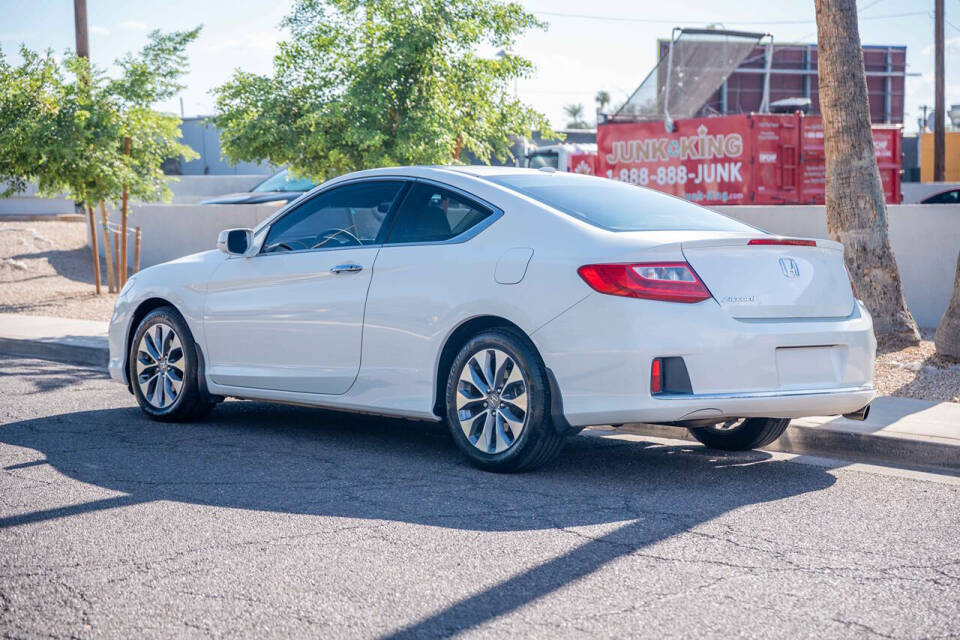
[789, 267]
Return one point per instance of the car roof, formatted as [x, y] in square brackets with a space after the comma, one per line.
[477, 171]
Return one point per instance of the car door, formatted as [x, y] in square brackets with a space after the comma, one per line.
[430, 262]
[290, 318]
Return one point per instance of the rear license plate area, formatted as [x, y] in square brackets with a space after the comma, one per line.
[810, 367]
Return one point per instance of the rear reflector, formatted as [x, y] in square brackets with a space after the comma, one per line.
[656, 376]
[790, 242]
[667, 281]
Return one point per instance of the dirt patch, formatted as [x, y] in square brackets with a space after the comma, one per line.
[46, 269]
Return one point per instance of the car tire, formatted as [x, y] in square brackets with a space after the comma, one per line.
[495, 436]
[162, 369]
[741, 435]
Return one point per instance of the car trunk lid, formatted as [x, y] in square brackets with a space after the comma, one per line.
[770, 277]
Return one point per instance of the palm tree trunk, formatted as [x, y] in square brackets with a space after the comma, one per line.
[856, 210]
[947, 339]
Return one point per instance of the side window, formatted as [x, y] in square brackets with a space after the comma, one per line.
[347, 216]
[434, 214]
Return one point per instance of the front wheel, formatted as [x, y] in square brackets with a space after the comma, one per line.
[741, 434]
[498, 404]
[163, 369]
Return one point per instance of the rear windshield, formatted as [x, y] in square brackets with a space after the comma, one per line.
[616, 206]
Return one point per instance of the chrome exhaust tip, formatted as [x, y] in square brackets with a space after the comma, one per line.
[860, 414]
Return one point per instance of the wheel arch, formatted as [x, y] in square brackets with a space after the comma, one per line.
[144, 308]
[461, 335]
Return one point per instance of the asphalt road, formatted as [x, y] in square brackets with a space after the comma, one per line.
[282, 521]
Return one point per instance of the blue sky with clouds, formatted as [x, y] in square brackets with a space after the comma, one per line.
[576, 56]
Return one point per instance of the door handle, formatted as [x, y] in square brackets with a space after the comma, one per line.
[348, 268]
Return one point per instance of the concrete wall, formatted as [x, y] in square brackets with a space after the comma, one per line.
[173, 230]
[186, 189]
[925, 240]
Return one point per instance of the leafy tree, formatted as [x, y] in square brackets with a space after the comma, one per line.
[575, 114]
[63, 125]
[366, 83]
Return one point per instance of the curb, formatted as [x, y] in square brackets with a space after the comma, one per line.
[83, 351]
[801, 439]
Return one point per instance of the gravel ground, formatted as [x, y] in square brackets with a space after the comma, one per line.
[917, 372]
[45, 270]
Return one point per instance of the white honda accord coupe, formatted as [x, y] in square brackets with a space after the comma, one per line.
[516, 305]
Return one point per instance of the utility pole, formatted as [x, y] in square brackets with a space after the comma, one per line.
[83, 51]
[923, 121]
[940, 108]
[80, 28]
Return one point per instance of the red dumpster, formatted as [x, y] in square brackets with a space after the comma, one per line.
[739, 159]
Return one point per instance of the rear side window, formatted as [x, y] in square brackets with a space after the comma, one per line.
[434, 214]
[616, 206]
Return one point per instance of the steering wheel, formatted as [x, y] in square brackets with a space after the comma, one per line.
[282, 245]
[341, 237]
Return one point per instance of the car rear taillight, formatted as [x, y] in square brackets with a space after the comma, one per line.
[789, 242]
[667, 281]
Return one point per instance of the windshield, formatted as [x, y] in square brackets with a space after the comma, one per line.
[285, 181]
[616, 206]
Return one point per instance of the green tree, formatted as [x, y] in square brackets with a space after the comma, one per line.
[575, 114]
[63, 125]
[367, 83]
[74, 131]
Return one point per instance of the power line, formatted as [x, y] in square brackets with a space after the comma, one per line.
[583, 16]
[874, 3]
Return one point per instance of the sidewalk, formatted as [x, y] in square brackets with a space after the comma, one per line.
[72, 341]
[902, 431]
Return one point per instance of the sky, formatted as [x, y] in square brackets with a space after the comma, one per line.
[586, 47]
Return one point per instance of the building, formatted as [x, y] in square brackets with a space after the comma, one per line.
[202, 136]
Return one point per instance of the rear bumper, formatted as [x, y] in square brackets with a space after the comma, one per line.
[600, 352]
[770, 404]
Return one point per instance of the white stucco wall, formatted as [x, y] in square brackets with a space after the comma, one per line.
[173, 230]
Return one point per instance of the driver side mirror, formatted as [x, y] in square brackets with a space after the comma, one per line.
[235, 242]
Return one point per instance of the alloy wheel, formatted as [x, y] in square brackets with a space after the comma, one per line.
[492, 400]
[160, 366]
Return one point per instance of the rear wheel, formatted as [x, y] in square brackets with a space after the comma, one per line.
[163, 369]
[498, 404]
[741, 434]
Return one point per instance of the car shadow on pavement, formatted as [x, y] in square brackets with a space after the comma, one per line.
[50, 376]
[301, 461]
